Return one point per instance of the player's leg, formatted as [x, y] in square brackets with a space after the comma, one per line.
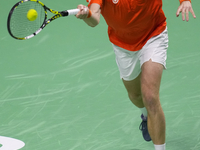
[150, 85]
[153, 61]
[134, 91]
[130, 71]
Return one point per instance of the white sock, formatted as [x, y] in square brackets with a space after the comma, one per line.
[144, 111]
[159, 147]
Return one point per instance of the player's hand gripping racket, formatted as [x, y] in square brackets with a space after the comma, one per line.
[28, 17]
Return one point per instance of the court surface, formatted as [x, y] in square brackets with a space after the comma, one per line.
[61, 89]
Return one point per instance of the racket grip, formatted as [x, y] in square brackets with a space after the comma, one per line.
[74, 11]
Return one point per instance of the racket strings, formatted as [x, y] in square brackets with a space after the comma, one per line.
[20, 26]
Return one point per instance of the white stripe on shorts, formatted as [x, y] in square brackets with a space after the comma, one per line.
[130, 62]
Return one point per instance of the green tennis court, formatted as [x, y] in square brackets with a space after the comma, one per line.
[61, 89]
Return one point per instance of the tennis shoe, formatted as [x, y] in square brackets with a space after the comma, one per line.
[143, 127]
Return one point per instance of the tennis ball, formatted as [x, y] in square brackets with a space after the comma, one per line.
[32, 15]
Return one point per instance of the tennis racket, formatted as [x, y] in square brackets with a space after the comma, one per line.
[20, 27]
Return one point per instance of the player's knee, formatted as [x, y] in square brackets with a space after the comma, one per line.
[135, 96]
[152, 103]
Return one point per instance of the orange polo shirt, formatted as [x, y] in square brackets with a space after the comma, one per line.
[131, 23]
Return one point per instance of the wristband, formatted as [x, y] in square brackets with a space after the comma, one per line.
[184, 0]
[89, 14]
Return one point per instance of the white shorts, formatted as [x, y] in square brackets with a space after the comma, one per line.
[130, 62]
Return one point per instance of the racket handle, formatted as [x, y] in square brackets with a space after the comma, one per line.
[74, 11]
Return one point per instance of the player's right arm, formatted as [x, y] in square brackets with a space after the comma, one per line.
[84, 13]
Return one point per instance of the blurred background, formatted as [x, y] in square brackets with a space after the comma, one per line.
[61, 89]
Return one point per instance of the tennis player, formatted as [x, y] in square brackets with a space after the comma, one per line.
[138, 33]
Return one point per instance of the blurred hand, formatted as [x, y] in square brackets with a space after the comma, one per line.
[83, 13]
[185, 8]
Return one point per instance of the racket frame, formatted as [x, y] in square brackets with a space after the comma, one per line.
[46, 21]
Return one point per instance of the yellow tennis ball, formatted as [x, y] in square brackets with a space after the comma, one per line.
[32, 15]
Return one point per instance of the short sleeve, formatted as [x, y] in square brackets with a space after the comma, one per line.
[184, 0]
[94, 1]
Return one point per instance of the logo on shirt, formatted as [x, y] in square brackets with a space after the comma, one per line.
[115, 1]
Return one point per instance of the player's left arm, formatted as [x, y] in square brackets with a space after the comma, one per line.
[184, 8]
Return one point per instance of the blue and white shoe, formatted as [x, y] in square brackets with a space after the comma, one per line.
[144, 129]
